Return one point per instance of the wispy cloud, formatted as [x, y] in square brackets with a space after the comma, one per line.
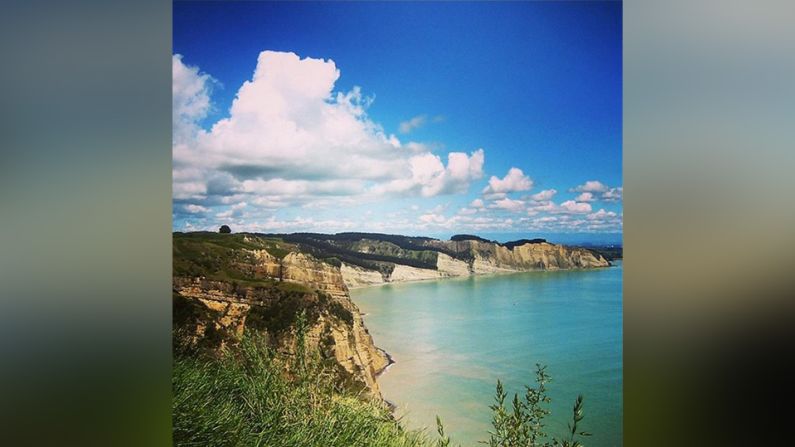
[412, 124]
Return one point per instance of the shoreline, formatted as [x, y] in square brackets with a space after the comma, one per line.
[509, 272]
[390, 361]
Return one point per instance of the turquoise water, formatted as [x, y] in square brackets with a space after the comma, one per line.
[452, 339]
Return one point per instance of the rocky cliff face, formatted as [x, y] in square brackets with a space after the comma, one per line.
[213, 313]
[474, 257]
[225, 285]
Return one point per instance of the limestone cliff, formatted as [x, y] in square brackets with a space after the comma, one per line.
[493, 257]
[476, 257]
[225, 285]
[256, 290]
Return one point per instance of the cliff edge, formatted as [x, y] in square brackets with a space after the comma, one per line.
[224, 285]
[227, 284]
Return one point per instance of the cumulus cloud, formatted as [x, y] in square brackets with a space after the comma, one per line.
[509, 205]
[412, 124]
[591, 186]
[290, 143]
[613, 194]
[429, 176]
[195, 209]
[602, 214]
[190, 98]
[291, 137]
[544, 195]
[432, 218]
[594, 190]
[514, 180]
[544, 206]
[571, 206]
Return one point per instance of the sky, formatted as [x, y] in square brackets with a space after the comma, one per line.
[407, 118]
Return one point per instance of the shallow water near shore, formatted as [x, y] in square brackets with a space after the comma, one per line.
[452, 339]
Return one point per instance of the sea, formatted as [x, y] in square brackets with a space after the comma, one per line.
[452, 339]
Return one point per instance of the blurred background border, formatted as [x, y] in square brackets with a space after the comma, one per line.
[85, 196]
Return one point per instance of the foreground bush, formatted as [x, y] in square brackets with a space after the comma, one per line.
[246, 399]
[249, 397]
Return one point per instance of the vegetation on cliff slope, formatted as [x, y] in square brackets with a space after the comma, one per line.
[222, 257]
[245, 394]
[248, 396]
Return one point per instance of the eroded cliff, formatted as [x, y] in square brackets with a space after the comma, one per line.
[473, 257]
[227, 285]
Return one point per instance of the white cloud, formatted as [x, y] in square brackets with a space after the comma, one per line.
[514, 180]
[190, 98]
[597, 190]
[602, 214]
[571, 206]
[613, 194]
[432, 218]
[195, 209]
[291, 137]
[544, 195]
[509, 205]
[591, 186]
[291, 143]
[495, 196]
[429, 176]
[412, 124]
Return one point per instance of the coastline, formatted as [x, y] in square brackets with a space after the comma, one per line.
[421, 386]
[391, 360]
[489, 274]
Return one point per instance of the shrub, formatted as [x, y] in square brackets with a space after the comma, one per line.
[522, 425]
[225, 229]
[245, 399]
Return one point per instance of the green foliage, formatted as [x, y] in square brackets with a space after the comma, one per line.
[611, 253]
[444, 440]
[244, 398]
[332, 248]
[249, 397]
[224, 229]
[223, 257]
[577, 416]
[522, 425]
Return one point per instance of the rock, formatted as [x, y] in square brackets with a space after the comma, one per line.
[403, 273]
[354, 276]
[449, 266]
[218, 312]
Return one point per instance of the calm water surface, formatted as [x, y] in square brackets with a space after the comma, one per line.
[452, 339]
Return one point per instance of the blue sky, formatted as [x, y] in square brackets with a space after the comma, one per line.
[535, 86]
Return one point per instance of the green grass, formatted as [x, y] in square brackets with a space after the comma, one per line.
[225, 257]
[246, 396]
[245, 399]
